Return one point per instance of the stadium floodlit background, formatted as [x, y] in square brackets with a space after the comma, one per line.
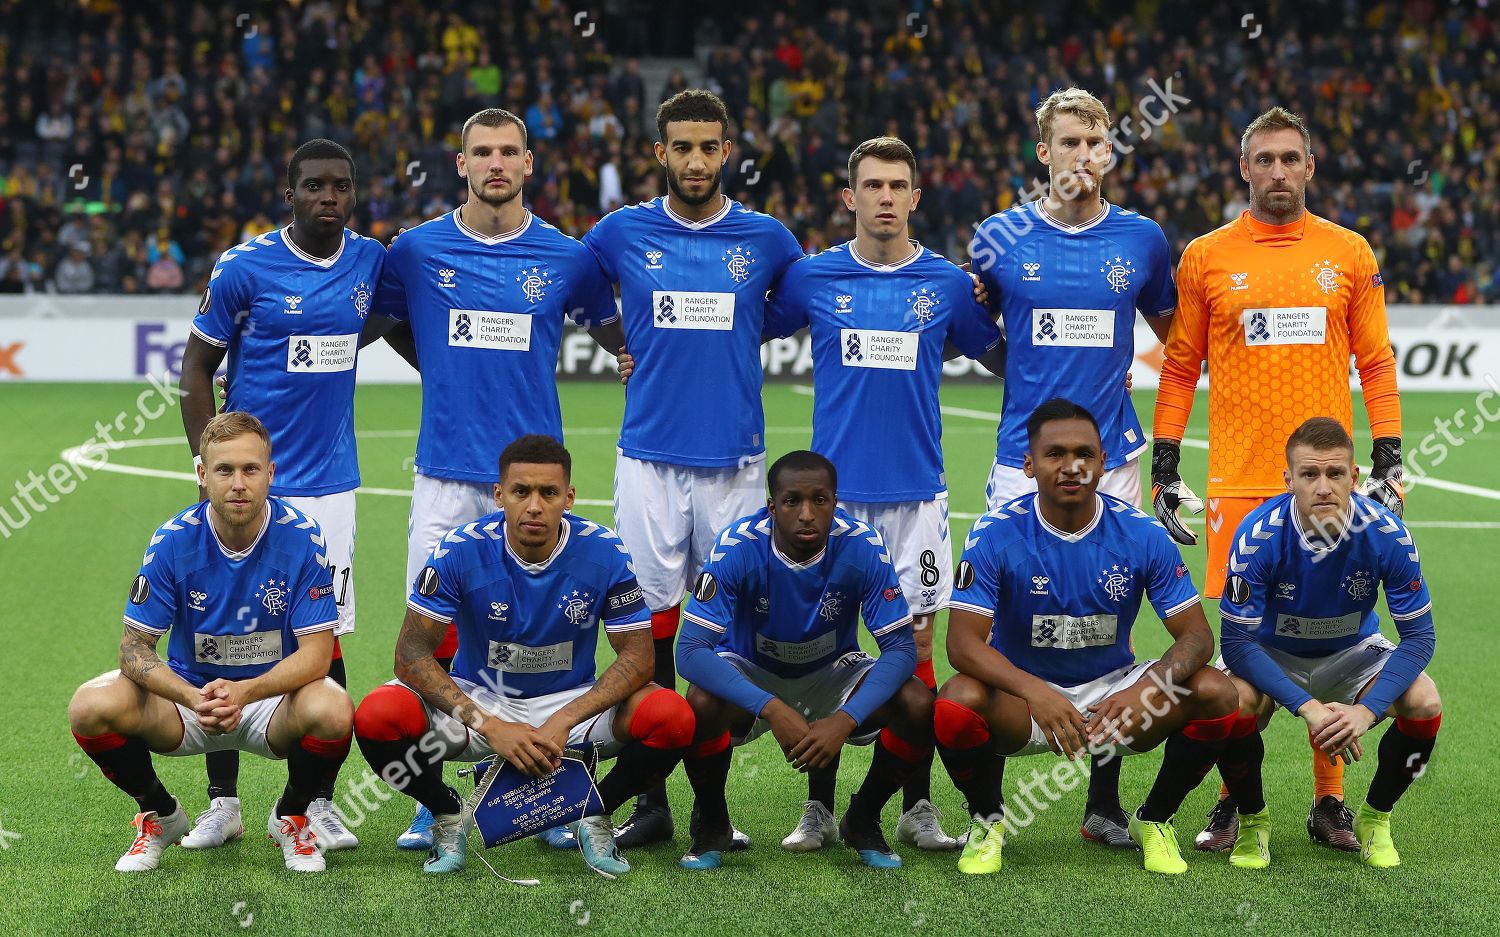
[138, 140]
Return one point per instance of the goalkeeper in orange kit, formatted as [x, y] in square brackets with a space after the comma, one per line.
[1276, 301]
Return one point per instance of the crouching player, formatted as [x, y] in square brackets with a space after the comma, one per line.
[525, 587]
[241, 587]
[770, 641]
[1300, 630]
[1040, 633]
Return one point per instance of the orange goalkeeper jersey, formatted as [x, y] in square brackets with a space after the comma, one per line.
[1276, 310]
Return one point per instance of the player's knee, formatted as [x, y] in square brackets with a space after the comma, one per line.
[958, 726]
[916, 703]
[1420, 701]
[388, 714]
[324, 709]
[1215, 695]
[663, 720]
[91, 710]
[964, 690]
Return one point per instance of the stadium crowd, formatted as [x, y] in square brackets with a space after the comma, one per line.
[137, 141]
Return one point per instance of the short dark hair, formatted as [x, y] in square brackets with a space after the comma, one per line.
[537, 449]
[492, 117]
[1321, 433]
[320, 148]
[800, 460]
[890, 149]
[694, 104]
[1058, 408]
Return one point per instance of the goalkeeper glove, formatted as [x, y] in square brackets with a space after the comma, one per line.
[1169, 492]
[1384, 484]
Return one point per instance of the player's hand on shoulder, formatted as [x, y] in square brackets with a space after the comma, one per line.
[822, 743]
[221, 387]
[981, 292]
[1129, 382]
[524, 746]
[625, 364]
[1062, 724]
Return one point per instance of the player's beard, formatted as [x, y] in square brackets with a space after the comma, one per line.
[1296, 206]
[710, 191]
[494, 201]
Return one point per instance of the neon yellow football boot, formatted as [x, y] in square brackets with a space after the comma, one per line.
[1158, 841]
[981, 855]
[1252, 847]
[1373, 830]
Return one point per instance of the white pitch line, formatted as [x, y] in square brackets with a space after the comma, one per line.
[1415, 525]
[1191, 443]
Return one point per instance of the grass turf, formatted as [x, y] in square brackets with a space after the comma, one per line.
[66, 572]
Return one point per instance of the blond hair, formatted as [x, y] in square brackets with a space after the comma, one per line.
[232, 425]
[1277, 118]
[1075, 101]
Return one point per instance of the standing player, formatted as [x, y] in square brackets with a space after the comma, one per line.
[772, 642]
[483, 292]
[1046, 597]
[693, 269]
[1300, 631]
[289, 308]
[1276, 301]
[525, 599]
[882, 309]
[240, 585]
[1071, 271]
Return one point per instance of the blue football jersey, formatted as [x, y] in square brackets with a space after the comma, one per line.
[487, 317]
[232, 618]
[291, 323]
[789, 618]
[693, 297]
[529, 627]
[1310, 598]
[878, 334]
[1068, 299]
[1063, 604]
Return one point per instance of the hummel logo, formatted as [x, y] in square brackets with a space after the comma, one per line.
[447, 274]
[653, 260]
[1031, 269]
[292, 302]
[1239, 281]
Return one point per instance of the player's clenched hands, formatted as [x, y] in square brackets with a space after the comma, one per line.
[1062, 724]
[1328, 726]
[822, 743]
[532, 750]
[220, 705]
[1342, 730]
[786, 724]
[625, 364]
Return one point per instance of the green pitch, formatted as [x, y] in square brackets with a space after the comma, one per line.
[67, 569]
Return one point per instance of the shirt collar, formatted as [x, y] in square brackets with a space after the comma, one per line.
[497, 239]
[533, 568]
[1064, 535]
[324, 262]
[696, 225]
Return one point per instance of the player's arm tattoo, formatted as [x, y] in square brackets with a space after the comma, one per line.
[1191, 649]
[142, 665]
[635, 659]
[417, 668]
